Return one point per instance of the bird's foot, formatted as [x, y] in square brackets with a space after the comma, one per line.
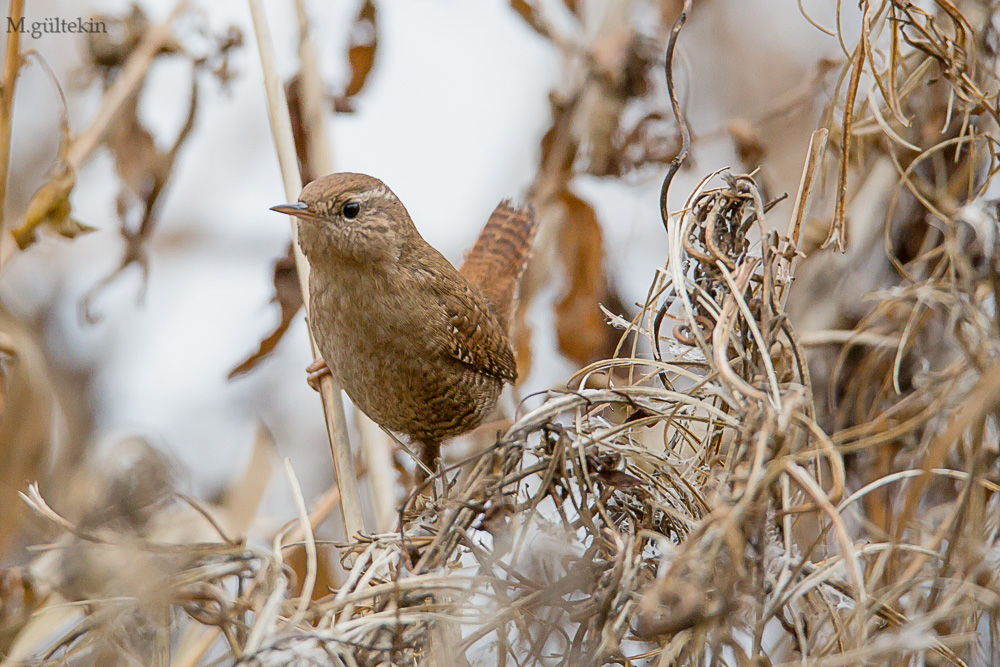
[316, 370]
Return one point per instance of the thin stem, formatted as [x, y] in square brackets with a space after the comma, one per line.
[333, 406]
[11, 68]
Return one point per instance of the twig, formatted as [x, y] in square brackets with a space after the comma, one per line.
[372, 442]
[333, 406]
[309, 583]
[814, 160]
[11, 68]
[668, 70]
[321, 509]
[132, 75]
[838, 230]
[314, 116]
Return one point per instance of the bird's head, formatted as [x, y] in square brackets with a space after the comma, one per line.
[353, 216]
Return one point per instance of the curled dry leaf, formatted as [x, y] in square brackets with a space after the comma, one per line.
[293, 96]
[360, 55]
[749, 145]
[364, 41]
[144, 171]
[142, 167]
[50, 208]
[109, 50]
[581, 329]
[289, 297]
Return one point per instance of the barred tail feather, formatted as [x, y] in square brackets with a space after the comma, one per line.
[497, 261]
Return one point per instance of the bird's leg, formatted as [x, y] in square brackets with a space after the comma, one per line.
[316, 370]
[430, 456]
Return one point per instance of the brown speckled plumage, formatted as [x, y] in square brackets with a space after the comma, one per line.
[421, 348]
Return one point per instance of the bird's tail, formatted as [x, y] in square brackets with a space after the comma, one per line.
[497, 261]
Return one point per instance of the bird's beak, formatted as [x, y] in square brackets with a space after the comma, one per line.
[300, 209]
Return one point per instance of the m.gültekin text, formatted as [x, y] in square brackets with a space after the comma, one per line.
[55, 26]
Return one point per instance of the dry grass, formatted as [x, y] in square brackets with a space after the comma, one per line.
[720, 491]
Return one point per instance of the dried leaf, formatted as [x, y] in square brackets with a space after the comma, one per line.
[142, 167]
[289, 297]
[581, 329]
[144, 171]
[293, 96]
[558, 147]
[749, 145]
[50, 207]
[110, 49]
[361, 53]
[326, 578]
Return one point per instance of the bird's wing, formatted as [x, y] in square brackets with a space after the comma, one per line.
[500, 255]
[474, 336]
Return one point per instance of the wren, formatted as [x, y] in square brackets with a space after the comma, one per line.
[420, 347]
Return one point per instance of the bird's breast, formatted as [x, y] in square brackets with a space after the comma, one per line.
[381, 341]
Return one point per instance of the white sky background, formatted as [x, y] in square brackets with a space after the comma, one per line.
[450, 120]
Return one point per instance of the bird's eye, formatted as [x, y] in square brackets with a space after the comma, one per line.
[351, 210]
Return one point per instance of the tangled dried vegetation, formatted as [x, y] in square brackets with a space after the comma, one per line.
[727, 492]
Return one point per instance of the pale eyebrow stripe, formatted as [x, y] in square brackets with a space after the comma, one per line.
[379, 192]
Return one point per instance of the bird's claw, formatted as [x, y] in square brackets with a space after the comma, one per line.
[316, 370]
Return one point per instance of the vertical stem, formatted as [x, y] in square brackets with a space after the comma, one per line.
[333, 406]
[373, 443]
[11, 67]
[313, 94]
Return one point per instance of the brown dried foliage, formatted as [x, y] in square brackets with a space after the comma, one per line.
[580, 324]
[605, 81]
[288, 296]
[362, 49]
[735, 492]
[143, 168]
